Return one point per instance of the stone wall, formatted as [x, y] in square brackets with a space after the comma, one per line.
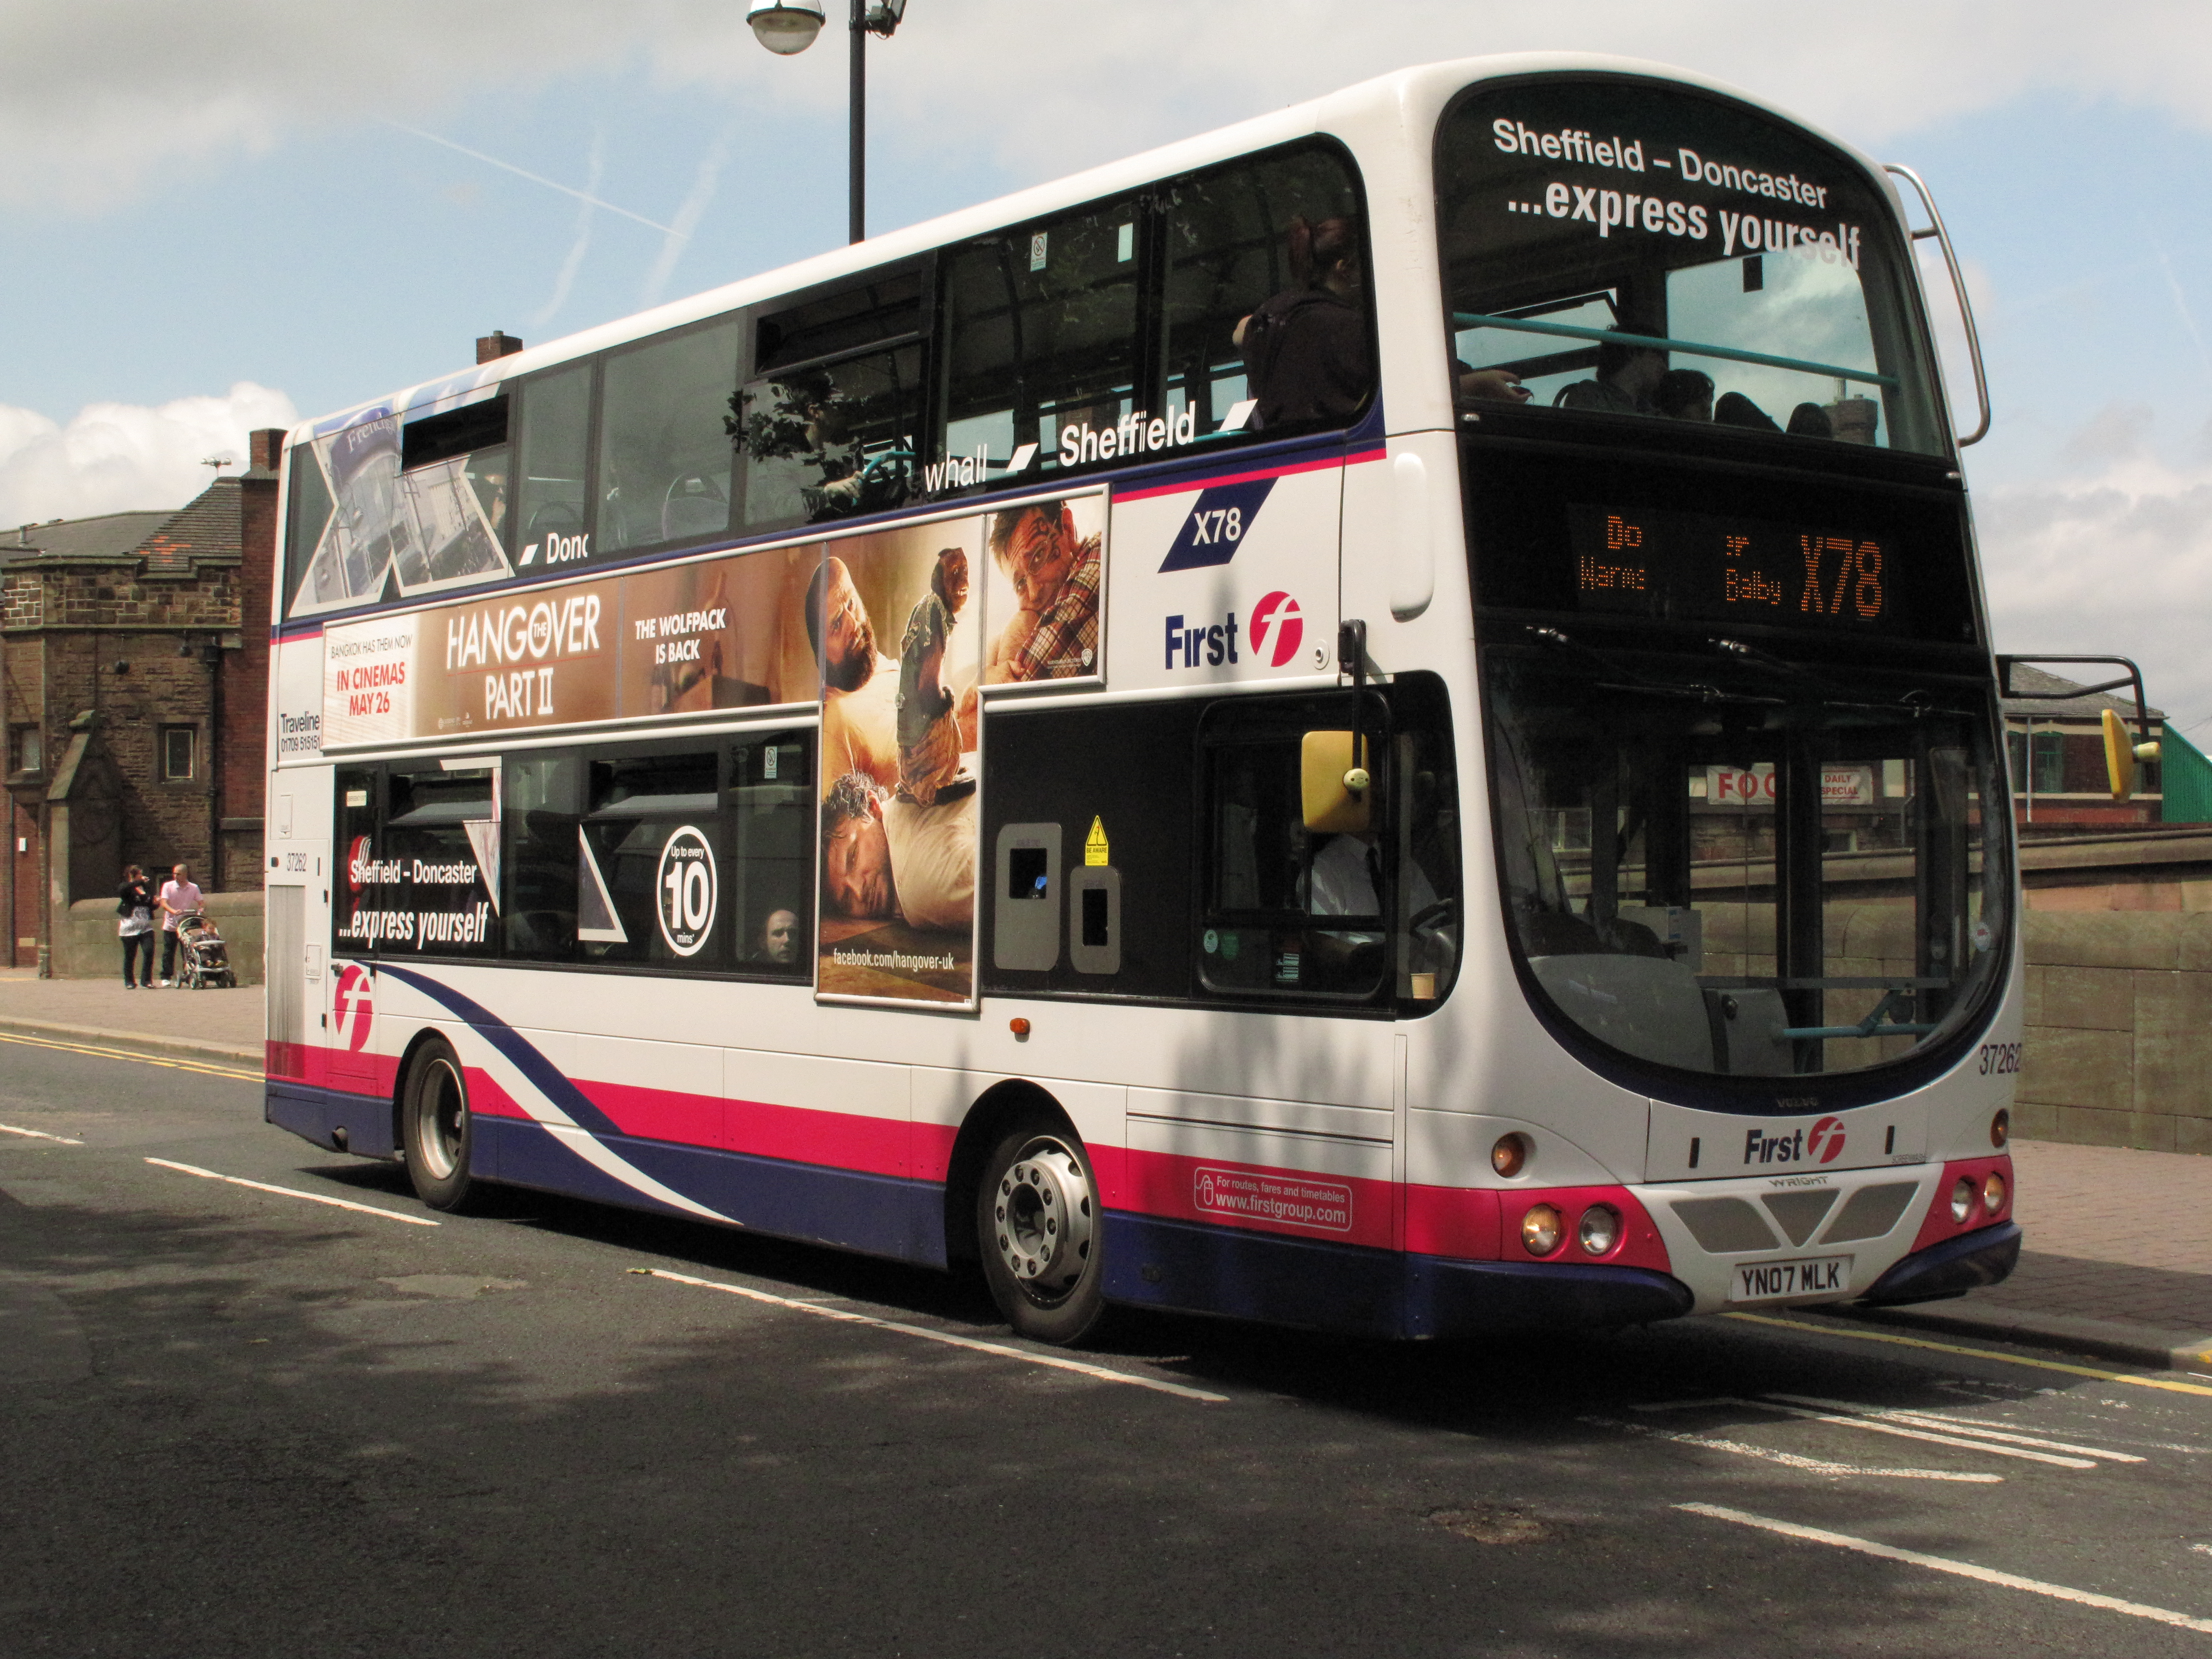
[2119, 1031]
[90, 948]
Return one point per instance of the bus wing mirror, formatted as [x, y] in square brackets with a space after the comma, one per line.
[1334, 783]
[2121, 754]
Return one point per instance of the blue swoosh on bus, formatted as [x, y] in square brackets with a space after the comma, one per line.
[1219, 521]
[542, 1074]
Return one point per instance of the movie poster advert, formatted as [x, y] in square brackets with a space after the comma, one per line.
[1043, 574]
[897, 624]
[694, 638]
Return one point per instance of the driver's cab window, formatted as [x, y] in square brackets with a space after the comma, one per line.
[1293, 908]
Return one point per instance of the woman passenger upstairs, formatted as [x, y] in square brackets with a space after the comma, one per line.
[1306, 353]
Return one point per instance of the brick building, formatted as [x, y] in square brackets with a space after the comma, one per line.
[134, 667]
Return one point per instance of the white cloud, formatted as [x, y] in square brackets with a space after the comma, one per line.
[116, 458]
[2116, 558]
[101, 93]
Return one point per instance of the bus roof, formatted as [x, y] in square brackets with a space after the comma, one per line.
[1415, 95]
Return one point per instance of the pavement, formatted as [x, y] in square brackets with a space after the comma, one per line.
[2118, 1264]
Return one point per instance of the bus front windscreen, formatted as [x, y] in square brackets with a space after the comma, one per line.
[1613, 247]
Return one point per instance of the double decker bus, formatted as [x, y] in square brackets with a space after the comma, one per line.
[1382, 719]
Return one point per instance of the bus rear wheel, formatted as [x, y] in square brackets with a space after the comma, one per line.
[1039, 1227]
[436, 1131]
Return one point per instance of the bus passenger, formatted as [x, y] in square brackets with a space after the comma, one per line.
[928, 735]
[1685, 394]
[1627, 375]
[778, 944]
[1735, 410]
[1305, 350]
[882, 857]
[1500, 385]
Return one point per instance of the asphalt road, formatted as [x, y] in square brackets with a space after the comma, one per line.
[235, 1421]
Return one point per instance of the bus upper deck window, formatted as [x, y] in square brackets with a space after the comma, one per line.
[1040, 325]
[1617, 248]
[555, 429]
[1243, 236]
[664, 451]
[827, 426]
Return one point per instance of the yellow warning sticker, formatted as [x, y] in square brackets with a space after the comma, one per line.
[1094, 844]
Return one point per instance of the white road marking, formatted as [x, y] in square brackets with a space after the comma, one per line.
[945, 1337]
[38, 1135]
[1855, 1418]
[294, 1192]
[2202, 1549]
[1791, 1459]
[1958, 1568]
[1964, 1426]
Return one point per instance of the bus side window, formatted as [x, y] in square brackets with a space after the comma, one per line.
[650, 882]
[826, 428]
[770, 811]
[543, 807]
[663, 447]
[1040, 344]
[555, 434]
[1228, 247]
[358, 790]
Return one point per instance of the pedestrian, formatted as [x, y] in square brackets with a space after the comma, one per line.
[134, 909]
[179, 898]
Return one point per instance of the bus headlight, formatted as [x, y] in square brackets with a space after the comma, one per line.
[1962, 1200]
[1540, 1230]
[2000, 1128]
[1601, 1230]
[1509, 1155]
[1993, 1192]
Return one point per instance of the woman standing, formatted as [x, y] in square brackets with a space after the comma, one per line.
[134, 904]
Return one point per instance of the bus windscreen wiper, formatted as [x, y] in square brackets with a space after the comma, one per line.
[1626, 679]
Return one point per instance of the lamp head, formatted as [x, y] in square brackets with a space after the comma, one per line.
[883, 17]
[786, 26]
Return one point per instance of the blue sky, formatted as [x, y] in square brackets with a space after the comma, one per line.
[217, 217]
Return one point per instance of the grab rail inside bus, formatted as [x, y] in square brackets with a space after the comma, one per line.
[1657, 343]
[1935, 228]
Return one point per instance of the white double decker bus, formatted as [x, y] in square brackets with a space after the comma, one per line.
[1382, 719]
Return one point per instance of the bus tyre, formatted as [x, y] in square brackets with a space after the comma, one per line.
[436, 1131]
[1039, 1226]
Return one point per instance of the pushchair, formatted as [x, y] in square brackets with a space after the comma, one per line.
[206, 963]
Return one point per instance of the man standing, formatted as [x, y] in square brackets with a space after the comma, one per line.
[1055, 572]
[178, 897]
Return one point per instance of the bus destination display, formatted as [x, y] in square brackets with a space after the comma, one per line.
[1698, 565]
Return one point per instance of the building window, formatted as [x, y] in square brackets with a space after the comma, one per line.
[26, 750]
[181, 754]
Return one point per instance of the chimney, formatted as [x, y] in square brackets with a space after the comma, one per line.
[496, 345]
[264, 449]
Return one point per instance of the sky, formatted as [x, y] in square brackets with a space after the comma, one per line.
[235, 213]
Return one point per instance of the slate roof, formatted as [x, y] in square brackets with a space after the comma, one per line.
[2028, 678]
[168, 540]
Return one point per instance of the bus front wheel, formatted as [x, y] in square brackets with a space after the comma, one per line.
[436, 1130]
[1039, 1227]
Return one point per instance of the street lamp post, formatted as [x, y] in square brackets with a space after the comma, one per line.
[786, 27]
